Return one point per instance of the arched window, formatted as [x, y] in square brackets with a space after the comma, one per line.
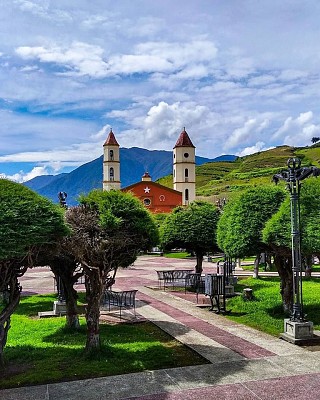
[186, 195]
[111, 155]
[174, 172]
[186, 175]
[111, 174]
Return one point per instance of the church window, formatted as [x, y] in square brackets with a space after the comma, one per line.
[186, 195]
[111, 174]
[174, 172]
[186, 174]
[111, 155]
[186, 155]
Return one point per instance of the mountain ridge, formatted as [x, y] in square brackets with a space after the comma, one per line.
[135, 161]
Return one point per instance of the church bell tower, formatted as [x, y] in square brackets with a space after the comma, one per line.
[184, 168]
[111, 163]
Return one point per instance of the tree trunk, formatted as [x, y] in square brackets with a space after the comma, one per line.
[284, 268]
[5, 315]
[198, 267]
[256, 266]
[65, 270]
[94, 287]
[72, 318]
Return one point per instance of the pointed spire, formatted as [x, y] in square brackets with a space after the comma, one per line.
[111, 139]
[184, 140]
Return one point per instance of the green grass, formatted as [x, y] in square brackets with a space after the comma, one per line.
[177, 255]
[265, 312]
[41, 350]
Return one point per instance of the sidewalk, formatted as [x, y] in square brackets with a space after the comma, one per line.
[244, 363]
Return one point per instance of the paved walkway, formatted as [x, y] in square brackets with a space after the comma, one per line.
[244, 363]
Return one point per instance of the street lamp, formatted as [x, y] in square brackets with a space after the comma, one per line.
[296, 328]
[60, 289]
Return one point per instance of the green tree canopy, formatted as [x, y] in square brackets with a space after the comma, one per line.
[277, 231]
[26, 219]
[108, 230]
[28, 222]
[277, 234]
[192, 227]
[239, 231]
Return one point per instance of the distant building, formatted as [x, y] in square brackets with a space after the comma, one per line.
[157, 198]
[111, 163]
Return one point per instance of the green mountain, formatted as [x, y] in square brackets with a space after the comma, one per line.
[217, 180]
[134, 163]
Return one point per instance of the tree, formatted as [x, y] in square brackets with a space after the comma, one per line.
[64, 265]
[192, 227]
[109, 228]
[239, 231]
[277, 234]
[315, 139]
[28, 222]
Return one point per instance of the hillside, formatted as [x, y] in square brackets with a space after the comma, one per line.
[226, 179]
[134, 163]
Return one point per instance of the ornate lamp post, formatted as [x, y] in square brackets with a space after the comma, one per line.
[61, 295]
[296, 328]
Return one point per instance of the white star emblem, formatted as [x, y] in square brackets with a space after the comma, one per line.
[147, 189]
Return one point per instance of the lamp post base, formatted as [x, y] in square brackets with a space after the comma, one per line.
[299, 333]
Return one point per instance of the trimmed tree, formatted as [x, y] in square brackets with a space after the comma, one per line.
[28, 222]
[277, 234]
[239, 231]
[192, 227]
[108, 231]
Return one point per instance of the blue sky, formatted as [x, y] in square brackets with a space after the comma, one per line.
[240, 75]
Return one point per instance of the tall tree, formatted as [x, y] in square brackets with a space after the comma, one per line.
[27, 223]
[192, 227]
[108, 230]
[239, 232]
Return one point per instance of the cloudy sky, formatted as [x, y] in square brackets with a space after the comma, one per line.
[240, 75]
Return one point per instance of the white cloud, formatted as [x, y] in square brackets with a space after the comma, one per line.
[86, 59]
[247, 133]
[293, 125]
[22, 176]
[259, 146]
[102, 134]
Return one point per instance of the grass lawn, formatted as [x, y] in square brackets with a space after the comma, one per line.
[41, 350]
[177, 255]
[265, 311]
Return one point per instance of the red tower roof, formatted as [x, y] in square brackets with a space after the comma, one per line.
[184, 140]
[111, 139]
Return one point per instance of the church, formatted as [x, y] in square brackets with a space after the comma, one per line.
[157, 198]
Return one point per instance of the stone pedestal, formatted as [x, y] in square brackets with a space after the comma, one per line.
[297, 332]
[59, 307]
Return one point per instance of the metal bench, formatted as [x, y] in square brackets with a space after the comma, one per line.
[173, 278]
[125, 299]
[215, 288]
[195, 282]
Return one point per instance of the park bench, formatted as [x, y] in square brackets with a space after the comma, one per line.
[125, 299]
[215, 288]
[196, 283]
[172, 278]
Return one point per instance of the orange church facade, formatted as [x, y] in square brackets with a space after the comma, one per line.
[155, 197]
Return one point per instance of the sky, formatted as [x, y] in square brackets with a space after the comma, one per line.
[240, 75]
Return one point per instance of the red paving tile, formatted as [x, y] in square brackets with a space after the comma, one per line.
[233, 342]
[303, 387]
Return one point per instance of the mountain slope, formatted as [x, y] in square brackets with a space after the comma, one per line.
[221, 179]
[134, 163]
